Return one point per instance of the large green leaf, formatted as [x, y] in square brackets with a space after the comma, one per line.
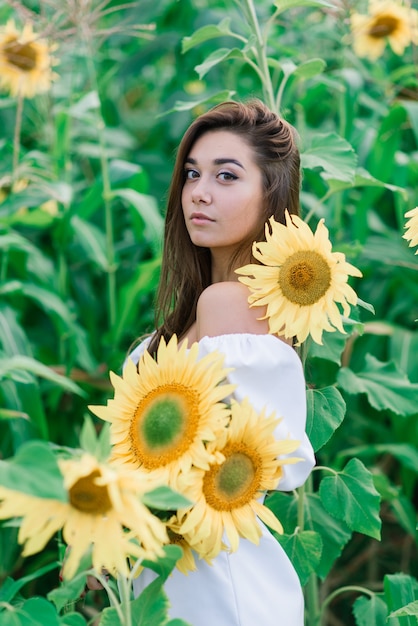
[92, 241]
[164, 565]
[350, 495]
[333, 155]
[12, 367]
[408, 609]
[384, 384]
[216, 57]
[370, 611]
[206, 33]
[34, 470]
[334, 533]
[326, 411]
[400, 591]
[33, 612]
[304, 549]
[146, 208]
[151, 606]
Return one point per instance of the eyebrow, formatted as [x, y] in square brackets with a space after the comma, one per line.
[222, 161]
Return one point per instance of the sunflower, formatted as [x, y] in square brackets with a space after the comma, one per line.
[411, 234]
[164, 411]
[387, 21]
[226, 496]
[25, 61]
[300, 280]
[102, 503]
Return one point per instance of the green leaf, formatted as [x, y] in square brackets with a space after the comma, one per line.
[384, 384]
[216, 57]
[400, 591]
[165, 499]
[10, 588]
[333, 155]
[326, 411]
[11, 367]
[68, 591]
[370, 611]
[219, 96]
[72, 619]
[405, 453]
[34, 470]
[350, 495]
[146, 208]
[97, 444]
[151, 606]
[164, 565]
[206, 33]
[92, 241]
[334, 533]
[109, 617]
[331, 348]
[363, 178]
[408, 609]
[283, 5]
[304, 549]
[143, 281]
[310, 68]
[38, 612]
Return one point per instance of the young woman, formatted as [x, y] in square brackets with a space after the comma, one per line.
[236, 166]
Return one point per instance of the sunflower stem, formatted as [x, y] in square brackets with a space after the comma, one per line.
[337, 592]
[16, 138]
[260, 53]
[106, 194]
[124, 586]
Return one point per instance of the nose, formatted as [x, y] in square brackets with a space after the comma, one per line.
[200, 192]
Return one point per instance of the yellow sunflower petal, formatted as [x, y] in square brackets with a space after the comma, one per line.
[301, 289]
[165, 410]
[226, 495]
[411, 225]
[25, 61]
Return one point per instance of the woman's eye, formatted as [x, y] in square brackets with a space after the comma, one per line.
[227, 176]
[190, 174]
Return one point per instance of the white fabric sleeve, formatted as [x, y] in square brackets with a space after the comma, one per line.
[270, 374]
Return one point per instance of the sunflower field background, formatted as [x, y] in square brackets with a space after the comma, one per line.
[92, 108]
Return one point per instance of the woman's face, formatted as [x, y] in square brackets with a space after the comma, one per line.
[222, 196]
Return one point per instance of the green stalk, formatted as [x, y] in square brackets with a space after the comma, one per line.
[260, 53]
[106, 195]
[338, 592]
[16, 137]
[312, 611]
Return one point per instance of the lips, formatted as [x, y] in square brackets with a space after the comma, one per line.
[200, 218]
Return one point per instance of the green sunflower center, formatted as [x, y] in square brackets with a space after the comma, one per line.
[164, 425]
[235, 482]
[21, 55]
[384, 26]
[87, 497]
[305, 277]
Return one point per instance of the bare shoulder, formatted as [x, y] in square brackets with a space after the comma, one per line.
[223, 309]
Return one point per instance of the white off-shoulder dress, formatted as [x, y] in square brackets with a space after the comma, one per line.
[256, 585]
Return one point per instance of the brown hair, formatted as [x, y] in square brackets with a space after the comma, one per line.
[186, 268]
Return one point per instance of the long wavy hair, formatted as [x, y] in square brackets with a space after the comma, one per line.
[186, 268]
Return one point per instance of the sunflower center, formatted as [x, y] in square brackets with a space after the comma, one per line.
[383, 26]
[174, 538]
[234, 483]
[21, 55]
[305, 277]
[87, 497]
[164, 425]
